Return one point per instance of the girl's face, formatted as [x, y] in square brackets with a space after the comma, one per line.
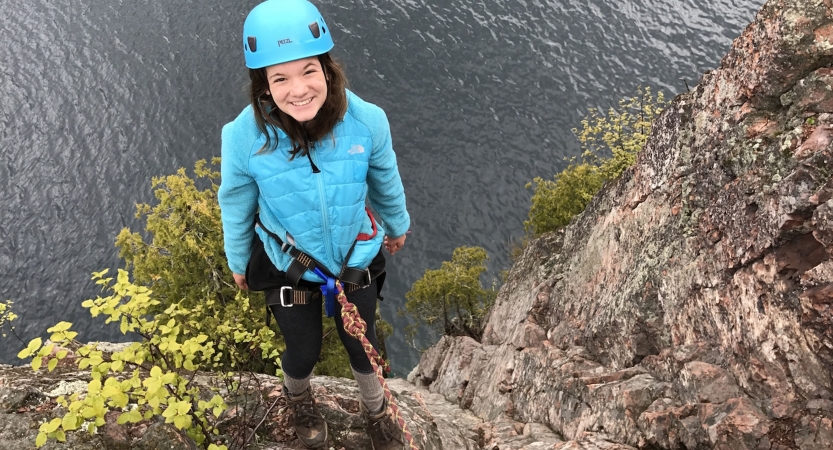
[299, 88]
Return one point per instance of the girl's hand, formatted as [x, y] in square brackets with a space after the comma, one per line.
[241, 281]
[392, 245]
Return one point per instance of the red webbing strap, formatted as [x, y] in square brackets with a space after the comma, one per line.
[364, 236]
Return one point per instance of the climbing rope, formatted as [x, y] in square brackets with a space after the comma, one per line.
[356, 327]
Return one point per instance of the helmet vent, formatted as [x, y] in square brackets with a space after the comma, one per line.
[316, 32]
[252, 43]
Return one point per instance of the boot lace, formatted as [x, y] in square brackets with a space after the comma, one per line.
[306, 413]
[385, 429]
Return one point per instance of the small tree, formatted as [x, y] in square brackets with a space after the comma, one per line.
[610, 144]
[184, 263]
[555, 202]
[452, 298]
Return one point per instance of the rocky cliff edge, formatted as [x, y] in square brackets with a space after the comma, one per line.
[689, 307]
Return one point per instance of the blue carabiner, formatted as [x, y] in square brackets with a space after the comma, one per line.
[329, 292]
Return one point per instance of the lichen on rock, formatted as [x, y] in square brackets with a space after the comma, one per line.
[703, 273]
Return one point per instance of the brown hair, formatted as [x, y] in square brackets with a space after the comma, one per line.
[268, 116]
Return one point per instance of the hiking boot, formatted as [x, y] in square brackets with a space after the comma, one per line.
[310, 426]
[384, 431]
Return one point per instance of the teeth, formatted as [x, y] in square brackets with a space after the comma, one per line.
[301, 103]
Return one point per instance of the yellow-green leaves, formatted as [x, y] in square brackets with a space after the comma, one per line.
[216, 405]
[94, 359]
[60, 332]
[6, 315]
[94, 387]
[50, 426]
[114, 391]
[38, 352]
[610, 144]
[138, 394]
[70, 421]
[156, 381]
[34, 346]
[132, 416]
[48, 430]
[177, 413]
[176, 294]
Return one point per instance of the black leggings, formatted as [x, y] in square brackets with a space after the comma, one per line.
[302, 329]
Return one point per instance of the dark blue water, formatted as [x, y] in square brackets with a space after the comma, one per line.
[96, 97]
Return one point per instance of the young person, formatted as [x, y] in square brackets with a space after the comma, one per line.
[298, 166]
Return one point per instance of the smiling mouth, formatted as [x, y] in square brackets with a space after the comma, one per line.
[301, 103]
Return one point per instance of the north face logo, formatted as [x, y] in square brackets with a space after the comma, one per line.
[356, 149]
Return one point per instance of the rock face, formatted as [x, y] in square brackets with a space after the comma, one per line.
[689, 307]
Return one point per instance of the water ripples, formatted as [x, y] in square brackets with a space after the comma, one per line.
[99, 96]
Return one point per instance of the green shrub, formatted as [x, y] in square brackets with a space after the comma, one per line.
[452, 299]
[184, 263]
[609, 145]
[154, 377]
[555, 202]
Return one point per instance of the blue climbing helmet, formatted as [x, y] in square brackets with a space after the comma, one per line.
[279, 31]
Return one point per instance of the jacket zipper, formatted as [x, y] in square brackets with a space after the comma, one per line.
[324, 221]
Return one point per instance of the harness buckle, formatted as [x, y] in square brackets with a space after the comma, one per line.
[283, 303]
[369, 279]
[285, 247]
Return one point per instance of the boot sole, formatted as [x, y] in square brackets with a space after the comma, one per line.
[317, 445]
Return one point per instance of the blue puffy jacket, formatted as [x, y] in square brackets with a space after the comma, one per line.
[324, 212]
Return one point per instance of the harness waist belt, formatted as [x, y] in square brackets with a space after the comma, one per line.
[290, 296]
[301, 262]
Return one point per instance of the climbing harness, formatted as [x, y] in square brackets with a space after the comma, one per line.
[333, 289]
[292, 294]
[356, 327]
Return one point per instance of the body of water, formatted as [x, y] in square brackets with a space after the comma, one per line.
[96, 97]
